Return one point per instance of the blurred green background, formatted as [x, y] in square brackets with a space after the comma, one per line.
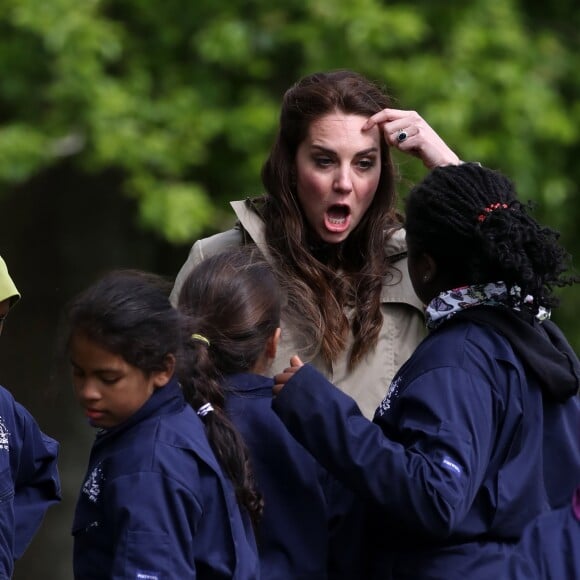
[127, 126]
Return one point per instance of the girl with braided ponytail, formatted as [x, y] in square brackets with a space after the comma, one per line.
[234, 301]
[155, 503]
[478, 432]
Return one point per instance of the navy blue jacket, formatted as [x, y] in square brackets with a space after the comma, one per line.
[302, 530]
[454, 464]
[29, 481]
[155, 504]
[550, 546]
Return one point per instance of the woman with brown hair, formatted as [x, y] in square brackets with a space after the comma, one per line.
[328, 224]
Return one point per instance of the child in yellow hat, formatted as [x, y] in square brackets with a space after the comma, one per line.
[30, 481]
[9, 294]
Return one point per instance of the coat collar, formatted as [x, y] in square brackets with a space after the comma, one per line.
[246, 382]
[397, 287]
[163, 401]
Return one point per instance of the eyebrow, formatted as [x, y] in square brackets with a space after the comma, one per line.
[357, 154]
[96, 371]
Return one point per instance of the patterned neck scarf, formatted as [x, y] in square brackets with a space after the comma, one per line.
[453, 301]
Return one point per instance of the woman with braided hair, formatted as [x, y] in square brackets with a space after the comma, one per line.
[478, 432]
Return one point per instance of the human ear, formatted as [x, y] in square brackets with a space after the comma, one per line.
[161, 378]
[272, 344]
[429, 268]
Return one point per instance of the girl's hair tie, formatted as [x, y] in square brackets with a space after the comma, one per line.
[205, 409]
[200, 338]
[487, 210]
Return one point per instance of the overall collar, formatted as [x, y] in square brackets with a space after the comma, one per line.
[164, 400]
[247, 382]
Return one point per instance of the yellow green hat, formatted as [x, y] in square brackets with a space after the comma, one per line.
[7, 287]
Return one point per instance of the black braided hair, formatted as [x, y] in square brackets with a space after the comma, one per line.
[468, 218]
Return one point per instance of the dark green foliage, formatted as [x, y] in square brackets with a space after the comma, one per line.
[182, 97]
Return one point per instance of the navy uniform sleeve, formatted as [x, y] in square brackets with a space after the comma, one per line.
[8, 458]
[346, 539]
[6, 519]
[29, 480]
[36, 482]
[427, 478]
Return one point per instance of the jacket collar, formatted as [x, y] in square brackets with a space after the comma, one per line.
[165, 400]
[246, 382]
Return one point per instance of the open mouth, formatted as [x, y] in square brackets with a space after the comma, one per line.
[337, 217]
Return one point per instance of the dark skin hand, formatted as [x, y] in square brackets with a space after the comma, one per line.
[282, 378]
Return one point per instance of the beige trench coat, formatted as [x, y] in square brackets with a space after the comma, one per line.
[403, 320]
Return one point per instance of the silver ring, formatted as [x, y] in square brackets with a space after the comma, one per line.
[402, 135]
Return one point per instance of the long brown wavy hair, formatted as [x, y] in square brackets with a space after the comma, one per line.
[340, 290]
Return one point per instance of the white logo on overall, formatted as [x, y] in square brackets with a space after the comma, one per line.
[4, 434]
[451, 465]
[392, 392]
[92, 485]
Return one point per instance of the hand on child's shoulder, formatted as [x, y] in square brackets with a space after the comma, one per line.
[282, 378]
